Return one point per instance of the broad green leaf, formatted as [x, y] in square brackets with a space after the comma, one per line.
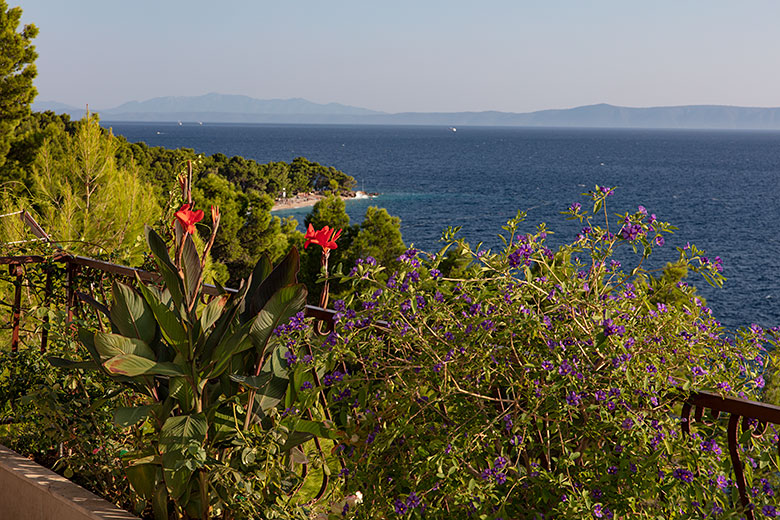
[225, 322]
[87, 338]
[160, 502]
[131, 315]
[177, 475]
[223, 425]
[184, 429]
[227, 348]
[158, 247]
[170, 326]
[213, 311]
[320, 429]
[305, 430]
[261, 271]
[261, 291]
[173, 283]
[191, 266]
[281, 306]
[182, 391]
[126, 416]
[296, 439]
[132, 365]
[94, 304]
[143, 479]
[168, 271]
[110, 345]
[272, 394]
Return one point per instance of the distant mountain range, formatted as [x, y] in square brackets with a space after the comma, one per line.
[222, 108]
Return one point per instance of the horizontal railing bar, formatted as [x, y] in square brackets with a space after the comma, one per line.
[145, 276]
[744, 408]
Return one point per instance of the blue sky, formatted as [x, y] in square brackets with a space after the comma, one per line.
[422, 55]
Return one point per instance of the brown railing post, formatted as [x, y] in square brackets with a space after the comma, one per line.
[73, 271]
[754, 416]
[46, 300]
[18, 271]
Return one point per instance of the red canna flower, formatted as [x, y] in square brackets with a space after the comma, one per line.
[188, 218]
[325, 237]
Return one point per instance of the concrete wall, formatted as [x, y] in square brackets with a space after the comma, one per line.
[31, 492]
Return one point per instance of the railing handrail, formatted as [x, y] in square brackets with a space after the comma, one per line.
[326, 315]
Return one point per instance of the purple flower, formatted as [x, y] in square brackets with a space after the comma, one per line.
[575, 206]
[659, 241]
[698, 371]
[710, 445]
[631, 231]
[683, 475]
[508, 422]
[573, 398]
[435, 273]
[611, 329]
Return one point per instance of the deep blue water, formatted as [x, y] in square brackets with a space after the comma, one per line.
[720, 188]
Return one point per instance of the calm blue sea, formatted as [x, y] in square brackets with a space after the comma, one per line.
[720, 188]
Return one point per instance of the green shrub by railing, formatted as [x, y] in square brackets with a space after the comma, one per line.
[542, 384]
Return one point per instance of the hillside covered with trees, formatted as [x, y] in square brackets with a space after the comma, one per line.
[90, 190]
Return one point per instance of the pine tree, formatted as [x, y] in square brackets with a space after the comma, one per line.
[17, 72]
[88, 204]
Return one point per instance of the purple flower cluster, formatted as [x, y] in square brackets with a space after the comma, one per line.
[521, 256]
[296, 323]
[412, 502]
[410, 257]
[601, 511]
[496, 471]
[631, 231]
[610, 329]
[334, 377]
[683, 475]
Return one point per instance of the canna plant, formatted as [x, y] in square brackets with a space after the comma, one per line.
[206, 381]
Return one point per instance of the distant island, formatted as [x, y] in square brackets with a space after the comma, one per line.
[223, 108]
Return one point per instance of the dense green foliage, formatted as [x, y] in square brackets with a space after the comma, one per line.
[541, 384]
[88, 204]
[205, 446]
[17, 72]
[520, 383]
[48, 148]
[378, 237]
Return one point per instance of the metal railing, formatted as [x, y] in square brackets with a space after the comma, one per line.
[16, 268]
[753, 416]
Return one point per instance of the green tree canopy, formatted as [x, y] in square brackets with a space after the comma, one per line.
[85, 201]
[17, 72]
[379, 236]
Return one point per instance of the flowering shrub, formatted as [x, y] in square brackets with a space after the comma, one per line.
[542, 384]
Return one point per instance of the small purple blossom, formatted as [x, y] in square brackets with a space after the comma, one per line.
[683, 475]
